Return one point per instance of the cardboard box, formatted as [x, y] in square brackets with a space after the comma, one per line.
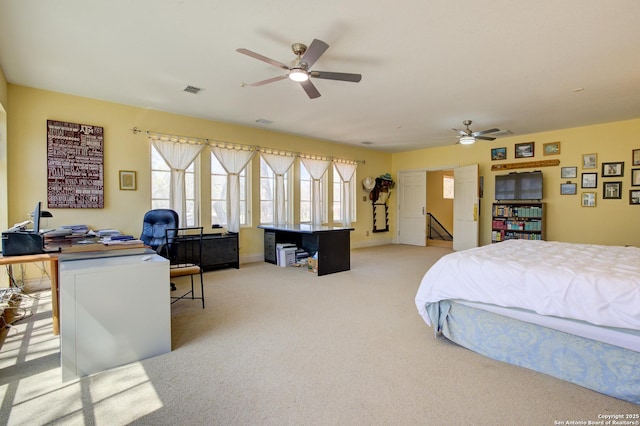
[286, 256]
[312, 265]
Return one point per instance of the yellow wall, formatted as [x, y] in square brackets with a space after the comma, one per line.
[124, 150]
[4, 209]
[612, 222]
[441, 208]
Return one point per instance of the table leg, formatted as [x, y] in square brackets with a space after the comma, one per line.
[55, 297]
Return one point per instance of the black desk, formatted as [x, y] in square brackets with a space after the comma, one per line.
[332, 243]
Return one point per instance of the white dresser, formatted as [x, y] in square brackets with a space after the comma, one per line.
[114, 309]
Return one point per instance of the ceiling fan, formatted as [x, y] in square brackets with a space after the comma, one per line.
[468, 136]
[299, 70]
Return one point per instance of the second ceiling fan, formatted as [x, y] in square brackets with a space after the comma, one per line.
[300, 68]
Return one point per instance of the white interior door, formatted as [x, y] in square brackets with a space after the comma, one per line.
[465, 207]
[412, 197]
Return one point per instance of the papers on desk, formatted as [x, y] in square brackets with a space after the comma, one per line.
[125, 242]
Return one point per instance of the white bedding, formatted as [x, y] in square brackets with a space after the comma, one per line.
[593, 283]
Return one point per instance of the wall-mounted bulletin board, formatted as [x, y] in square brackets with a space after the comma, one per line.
[75, 165]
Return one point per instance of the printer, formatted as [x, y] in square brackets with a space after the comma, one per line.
[16, 242]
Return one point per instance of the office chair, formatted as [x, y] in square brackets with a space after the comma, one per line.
[185, 257]
[154, 226]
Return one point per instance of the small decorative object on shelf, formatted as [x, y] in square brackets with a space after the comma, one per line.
[517, 221]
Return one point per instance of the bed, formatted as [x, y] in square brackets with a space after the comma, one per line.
[568, 310]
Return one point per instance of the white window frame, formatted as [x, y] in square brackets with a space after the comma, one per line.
[161, 187]
[268, 181]
[308, 182]
[245, 192]
[337, 197]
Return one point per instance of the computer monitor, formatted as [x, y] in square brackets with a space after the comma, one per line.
[36, 218]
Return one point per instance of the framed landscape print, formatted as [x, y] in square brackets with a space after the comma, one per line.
[568, 188]
[551, 148]
[613, 169]
[499, 153]
[525, 150]
[568, 172]
[589, 180]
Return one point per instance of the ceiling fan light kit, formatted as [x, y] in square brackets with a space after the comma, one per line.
[468, 136]
[299, 70]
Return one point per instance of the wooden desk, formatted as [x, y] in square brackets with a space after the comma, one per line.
[52, 258]
[332, 243]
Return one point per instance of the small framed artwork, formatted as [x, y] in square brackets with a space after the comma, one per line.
[499, 153]
[127, 180]
[589, 180]
[568, 172]
[551, 148]
[635, 177]
[525, 150]
[589, 161]
[568, 188]
[634, 196]
[588, 199]
[613, 169]
[611, 190]
[635, 157]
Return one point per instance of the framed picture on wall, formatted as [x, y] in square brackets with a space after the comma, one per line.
[589, 161]
[588, 199]
[635, 157]
[635, 177]
[613, 169]
[498, 153]
[568, 188]
[525, 150]
[589, 180]
[634, 196]
[551, 148]
[568, 172]
[611, 190]
[127, 180]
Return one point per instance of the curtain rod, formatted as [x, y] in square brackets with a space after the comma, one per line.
[232, 145]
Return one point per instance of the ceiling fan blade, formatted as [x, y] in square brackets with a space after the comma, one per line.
[337, 76]
[485, 138]
[262, 58]
[484, 132]
[315, 50]
[311, 90]
[267, 81]
[462, 132]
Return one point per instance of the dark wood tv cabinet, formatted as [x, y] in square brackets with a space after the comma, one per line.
[220, 250]
[332, 243]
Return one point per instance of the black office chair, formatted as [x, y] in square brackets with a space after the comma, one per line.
[154, 230]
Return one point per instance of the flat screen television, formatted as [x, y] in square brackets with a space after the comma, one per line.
[519, 186]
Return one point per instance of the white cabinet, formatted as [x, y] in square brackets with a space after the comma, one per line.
[114, 309]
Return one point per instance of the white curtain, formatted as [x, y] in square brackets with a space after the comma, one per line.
[178, 156]
[346, 172]
[233, 161]
[280, 164]
[316, 169]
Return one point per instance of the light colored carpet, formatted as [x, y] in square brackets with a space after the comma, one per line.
[281, 346]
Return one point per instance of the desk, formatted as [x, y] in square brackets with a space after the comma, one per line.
[52, 258]
[332, 243]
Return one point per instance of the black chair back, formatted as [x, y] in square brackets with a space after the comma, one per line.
[155, 224]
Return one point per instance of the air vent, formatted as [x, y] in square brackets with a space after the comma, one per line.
[263, 121]
[192, 89]
[366, 143]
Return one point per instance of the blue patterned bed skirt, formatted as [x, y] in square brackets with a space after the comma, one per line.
[601, 367]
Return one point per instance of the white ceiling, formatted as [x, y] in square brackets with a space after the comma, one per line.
[426, 65]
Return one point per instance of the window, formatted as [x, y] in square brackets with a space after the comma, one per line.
[447, 187]
[161, 187]
[268, 192]
[338, 205]
[306, 184]
[219, 193]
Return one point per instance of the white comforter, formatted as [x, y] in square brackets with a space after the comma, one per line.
[593, 283]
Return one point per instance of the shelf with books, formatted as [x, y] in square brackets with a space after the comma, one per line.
[517, 221]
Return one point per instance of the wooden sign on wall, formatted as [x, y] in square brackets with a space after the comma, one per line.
[75, 165]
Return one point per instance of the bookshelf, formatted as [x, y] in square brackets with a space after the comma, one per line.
[516, 220]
